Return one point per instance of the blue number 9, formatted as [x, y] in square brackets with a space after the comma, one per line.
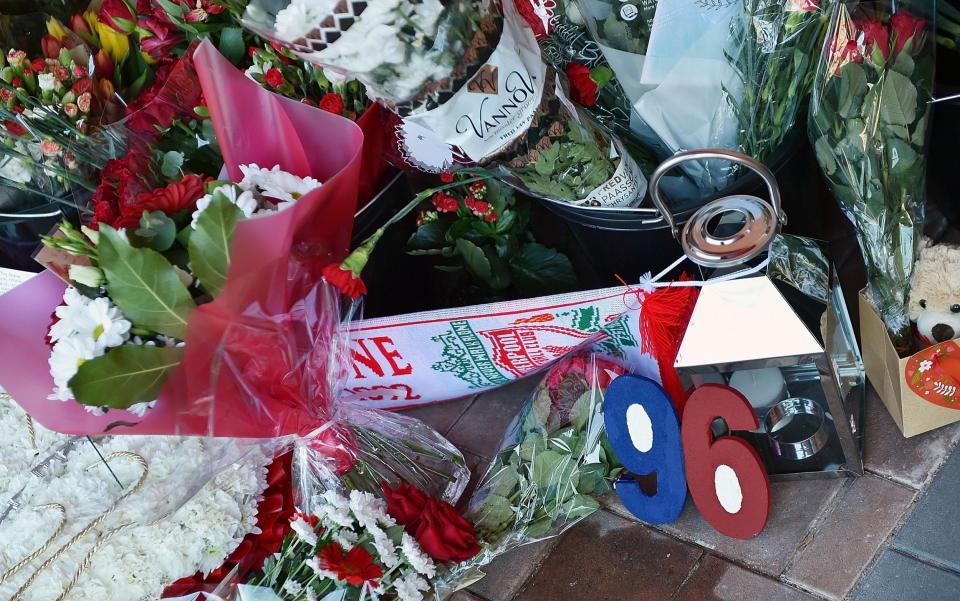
[644, 432]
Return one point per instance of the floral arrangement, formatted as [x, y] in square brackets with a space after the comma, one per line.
[142, 557]
[141, 275]
[868, 124]
[479, 233]
[369, 547]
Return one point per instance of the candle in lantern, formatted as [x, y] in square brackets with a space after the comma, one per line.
[762, 387]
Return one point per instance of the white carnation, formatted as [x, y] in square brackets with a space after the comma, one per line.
[415, 556]
[304, 530]
[409, 587]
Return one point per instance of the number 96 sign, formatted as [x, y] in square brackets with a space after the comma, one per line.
[726, 477]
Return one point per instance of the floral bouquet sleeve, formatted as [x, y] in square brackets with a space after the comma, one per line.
[468, 84]
[868, 124]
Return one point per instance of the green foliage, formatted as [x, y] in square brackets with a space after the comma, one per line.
[209, 243]
[125, 375]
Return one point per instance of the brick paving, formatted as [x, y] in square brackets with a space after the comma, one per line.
[890, 535]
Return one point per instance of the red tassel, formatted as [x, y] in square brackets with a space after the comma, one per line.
[663, 321]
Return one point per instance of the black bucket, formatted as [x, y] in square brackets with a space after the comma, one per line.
[630, 242]
[24, 217]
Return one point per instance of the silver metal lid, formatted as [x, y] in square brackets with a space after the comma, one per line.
[729, 231]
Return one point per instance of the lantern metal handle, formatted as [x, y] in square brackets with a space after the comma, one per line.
[713, 153]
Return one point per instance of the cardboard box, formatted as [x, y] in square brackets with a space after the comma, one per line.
[918, 397]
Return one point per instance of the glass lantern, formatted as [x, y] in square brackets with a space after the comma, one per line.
[771, 322]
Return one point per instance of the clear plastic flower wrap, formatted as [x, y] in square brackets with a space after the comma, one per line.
[553, 461]
[263, 355]
[869, 116]
[706, 74]
[467, 81]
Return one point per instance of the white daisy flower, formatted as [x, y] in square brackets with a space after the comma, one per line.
[254, 176]
[286, 187]
[416, 557]
[71, 316]
[925, 365]
[409, 586]
[67, 357]
[304, 530]
[110, 329]
[245, 201]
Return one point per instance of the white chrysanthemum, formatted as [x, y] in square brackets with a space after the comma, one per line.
[321, 573]
[346, 538]
[292, 587]
[335, 510]
[287, 187]
[409, 587]
[385, 547]
[70, 315]
[299, 18]
[416, 557]
[369, 510]
[311, 595]
[245, 201]
[304, 530]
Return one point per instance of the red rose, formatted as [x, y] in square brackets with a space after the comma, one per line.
[583, 89]
[338, 446]
[907, 29]
[332, 103]
[404, 503]
[876, 41]
[38, 65]
[348, 283]
[273, 77]
[118, 16]
[443, 533]
[15, 128]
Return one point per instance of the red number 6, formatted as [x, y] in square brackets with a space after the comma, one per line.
[726, 477]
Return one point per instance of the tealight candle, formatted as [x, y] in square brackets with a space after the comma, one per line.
[762, 387]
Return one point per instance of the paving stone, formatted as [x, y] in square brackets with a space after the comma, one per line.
[896, 577]
[465, 596]
[910, 461]
[441, 416]
[793, 508]
[845, 541]
[507, 573]
[481, 428]
[932, 531]
[718, 580]
[608, 558]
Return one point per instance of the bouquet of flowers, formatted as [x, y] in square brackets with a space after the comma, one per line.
[868, 124]
[469, 84]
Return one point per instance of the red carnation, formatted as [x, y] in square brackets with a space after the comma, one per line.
[583, 89]
[332, 103]
[38, 65]
[273, 77]
[356, 567]
[907, 29]
[347, 282]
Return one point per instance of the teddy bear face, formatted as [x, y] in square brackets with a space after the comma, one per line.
[935, 293]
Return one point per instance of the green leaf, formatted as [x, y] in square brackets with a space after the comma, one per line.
[125, 375]
[209, 244]
[505, 222]
[170, 166]
[499, 270]
[904, 64]
[825, 157]
[156, 231]
[231, 44]
[428, 236]
[601, 75]
[898, 100]
[537, 268]
[853, 85]
[476, 261]
[144, 285]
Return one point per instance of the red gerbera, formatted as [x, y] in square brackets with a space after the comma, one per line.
[356, 567]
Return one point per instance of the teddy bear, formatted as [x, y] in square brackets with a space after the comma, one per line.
[934, 306]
